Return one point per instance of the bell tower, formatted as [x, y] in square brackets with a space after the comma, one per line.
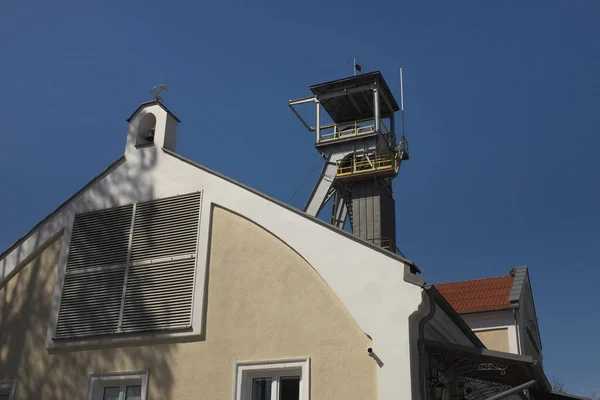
[152, 124]
[362, 155]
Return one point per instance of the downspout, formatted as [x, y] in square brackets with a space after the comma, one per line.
[422, 356]
[517, 331]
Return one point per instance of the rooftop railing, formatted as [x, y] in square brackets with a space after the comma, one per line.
[367, 163]
[333, 132]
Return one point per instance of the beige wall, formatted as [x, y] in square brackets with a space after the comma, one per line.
[264, 302]
[495, 339]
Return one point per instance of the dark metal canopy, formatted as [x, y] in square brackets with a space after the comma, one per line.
[482, 373]
[351, 99]
[558, 396]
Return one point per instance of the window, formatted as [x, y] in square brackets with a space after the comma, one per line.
[123, 392]
[131, 269]
[281, 380]
[275, 386]
[118, 386]
[7, 389]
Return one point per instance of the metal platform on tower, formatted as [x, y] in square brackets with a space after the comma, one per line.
[362, 154]
[345, 99]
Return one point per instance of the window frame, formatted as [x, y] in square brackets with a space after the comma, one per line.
[8, 387]
[122, 388]
[98, 381]
[246, 371]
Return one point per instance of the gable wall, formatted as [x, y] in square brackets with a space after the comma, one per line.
[496, 329]
[264, 303]
[368, 283]
[528, 318]
[495, 339]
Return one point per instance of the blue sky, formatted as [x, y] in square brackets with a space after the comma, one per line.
[501, 117]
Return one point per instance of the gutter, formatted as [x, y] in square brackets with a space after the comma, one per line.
[453, 315]
[436, 299]
[423, 364]
[517, 330]
[512, 306]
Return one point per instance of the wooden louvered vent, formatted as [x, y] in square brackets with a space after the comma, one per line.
[131, 269]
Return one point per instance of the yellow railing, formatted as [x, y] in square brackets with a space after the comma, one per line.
[351, 129]
[362, 164]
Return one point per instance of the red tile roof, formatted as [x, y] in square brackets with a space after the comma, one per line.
[479, 294]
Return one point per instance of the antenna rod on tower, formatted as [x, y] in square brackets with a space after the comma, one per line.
[354, 69]
[402, 100]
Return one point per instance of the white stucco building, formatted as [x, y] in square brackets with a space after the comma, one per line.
[163, 279]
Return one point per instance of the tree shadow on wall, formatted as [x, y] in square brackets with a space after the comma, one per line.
[26, 304]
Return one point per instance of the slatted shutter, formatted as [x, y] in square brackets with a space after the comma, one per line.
[163, 254]
[155, 270]
[165, 228]
[100, 238]
[159, 295]
[95, 273]
[91, 303]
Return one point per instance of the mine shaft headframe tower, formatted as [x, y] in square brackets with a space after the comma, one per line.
[362, 155]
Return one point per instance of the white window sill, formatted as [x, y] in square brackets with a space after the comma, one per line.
[123, 339]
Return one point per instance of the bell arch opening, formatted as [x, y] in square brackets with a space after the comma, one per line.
[145, 130]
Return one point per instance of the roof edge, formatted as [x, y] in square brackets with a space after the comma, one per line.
[454, 316]
[473, 280]
[482, 351]
[528, 282]
[518, 285]
[567, 396]
[375, 74]
[57, 209]
[117, 162]
[153, 102]
[538, 374]
[488, 310]
[410, 276]
[293, 209]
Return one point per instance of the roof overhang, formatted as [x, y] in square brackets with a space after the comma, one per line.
[483, 373]
[348, 99]
[488, 310]
[146, 103]
[441, 302]
[558, 396]
[402, 259]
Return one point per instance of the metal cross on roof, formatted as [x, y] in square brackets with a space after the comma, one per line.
[156, 90]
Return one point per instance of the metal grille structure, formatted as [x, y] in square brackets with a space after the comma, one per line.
[100, 238]
[131, 269]
[159, 295]
[90, 303]
[165, 227]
